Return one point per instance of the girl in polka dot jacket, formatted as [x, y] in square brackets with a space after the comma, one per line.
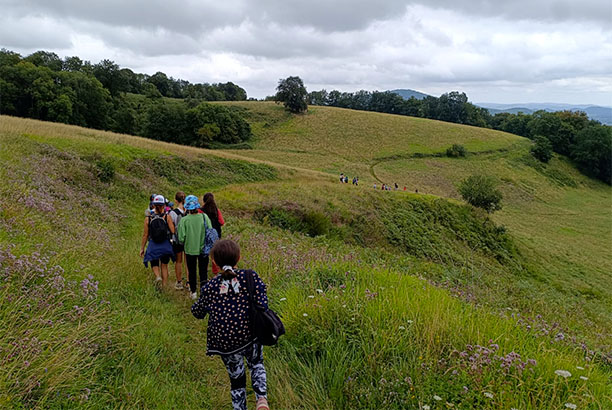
[225, 298]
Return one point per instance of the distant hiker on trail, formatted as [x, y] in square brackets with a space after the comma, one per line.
[226, 299]
[179, 250]
[374, 185]
[216, 219]
[158, 229]
[346, 179]
[396, 186]
[404, 188]
[342, 177]
[192, 234]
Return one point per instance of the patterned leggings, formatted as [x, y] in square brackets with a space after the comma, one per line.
[234, 364]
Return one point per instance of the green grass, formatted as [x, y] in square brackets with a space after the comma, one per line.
[401, 284]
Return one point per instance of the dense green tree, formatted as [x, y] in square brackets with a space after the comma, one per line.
[542, 148]
[212, 122]
[481, 191]
[593, 152]
[73, 63]
[45, 59]
[292, 93]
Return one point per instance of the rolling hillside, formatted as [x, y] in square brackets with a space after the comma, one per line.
[390, 299]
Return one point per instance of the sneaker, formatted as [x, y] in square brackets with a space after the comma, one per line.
[262, 404]
[158, 282]
[178, 286]
[194, 296]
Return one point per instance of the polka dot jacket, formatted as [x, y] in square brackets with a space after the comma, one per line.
[228, 325]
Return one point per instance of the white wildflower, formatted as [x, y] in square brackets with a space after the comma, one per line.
[410, 322]
[563, 373]
[584, 378]
[320, 290]
[283, 299]
[304, 314]
[579, 367]
[336, 297]
[570, 406]
[426, 407]
[343, 306]
[489, 395]
[402, 328]
[310, 297]
[437, 398]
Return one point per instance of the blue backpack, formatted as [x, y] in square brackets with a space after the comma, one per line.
[211, 237]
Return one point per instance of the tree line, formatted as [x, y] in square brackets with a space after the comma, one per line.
[571, 133]
[105, 96]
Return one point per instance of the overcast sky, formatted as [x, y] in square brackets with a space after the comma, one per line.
[501, 51]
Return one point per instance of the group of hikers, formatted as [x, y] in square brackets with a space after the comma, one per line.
[344, 179]
[188, 231]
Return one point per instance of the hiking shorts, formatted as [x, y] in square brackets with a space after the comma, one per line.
[164, 260]
[178, 248]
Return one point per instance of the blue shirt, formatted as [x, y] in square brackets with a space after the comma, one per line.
[228, 325]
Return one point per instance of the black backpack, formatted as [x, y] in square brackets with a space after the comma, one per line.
[265, 323]
[158, 228]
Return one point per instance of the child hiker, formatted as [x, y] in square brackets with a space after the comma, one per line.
[158, 229]
[192, 234]
[225, 298]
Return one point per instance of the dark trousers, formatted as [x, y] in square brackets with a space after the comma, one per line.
[192, 262]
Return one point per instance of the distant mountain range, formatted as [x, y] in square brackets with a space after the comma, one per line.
[595, 112]
[407, 93]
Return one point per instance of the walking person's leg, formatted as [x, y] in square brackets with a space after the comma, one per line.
[235, 369]
[192, 269]
[178, 270]
[254, 358]
[155, 268]
[203, 269]
[165, 260]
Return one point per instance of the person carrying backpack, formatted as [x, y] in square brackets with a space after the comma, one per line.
[158, 230]
[192, 234]
[226, 299]
[216, 219]
[179, 250]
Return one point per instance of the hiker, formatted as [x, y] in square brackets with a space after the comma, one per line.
[356, 181]
[396, 186]
[179, 250]
[374, 185]
[342, 177]
[192, 234]
[346, 179]
[158, 229]
[225, 298]
[216, 218]
[149, 210]
[404, 188]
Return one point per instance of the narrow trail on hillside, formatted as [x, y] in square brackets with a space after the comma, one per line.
[418, 155]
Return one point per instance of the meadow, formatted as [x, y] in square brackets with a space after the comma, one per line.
[395, 300]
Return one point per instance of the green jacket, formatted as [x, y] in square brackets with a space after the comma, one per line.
[191, 232]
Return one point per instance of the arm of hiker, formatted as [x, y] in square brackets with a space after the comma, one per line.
[200, 308]
[261, 295]
[145, 236]
[221, 220]
[170, 223]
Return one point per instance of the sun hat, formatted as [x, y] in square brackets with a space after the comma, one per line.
[191, 203]
[159, 200]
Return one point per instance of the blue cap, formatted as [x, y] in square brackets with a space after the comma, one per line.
[191, 203]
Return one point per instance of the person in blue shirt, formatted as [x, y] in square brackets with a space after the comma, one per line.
[225, 299]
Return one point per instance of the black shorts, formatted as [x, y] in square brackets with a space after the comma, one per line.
[178, 248]
[164, 260]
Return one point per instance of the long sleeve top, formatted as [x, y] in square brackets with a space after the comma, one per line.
[228, 324]
[192, 232]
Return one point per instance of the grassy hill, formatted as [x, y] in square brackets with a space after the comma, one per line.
[390, 299]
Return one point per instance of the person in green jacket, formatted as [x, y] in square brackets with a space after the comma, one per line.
[192, 234]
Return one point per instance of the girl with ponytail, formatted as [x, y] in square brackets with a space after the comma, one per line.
[226, 299]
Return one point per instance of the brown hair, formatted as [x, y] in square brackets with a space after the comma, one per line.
[226, 252]
[180, 197]
[210, 206]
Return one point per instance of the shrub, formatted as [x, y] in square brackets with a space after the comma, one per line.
[106, 170]
[480, 191]
[456, 151]
[542, 148]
